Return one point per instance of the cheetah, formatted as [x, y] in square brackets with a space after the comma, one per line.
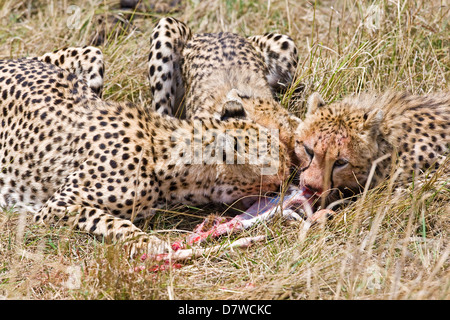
[222, 75]
[339, 143]
[85, 62]
[73, 159]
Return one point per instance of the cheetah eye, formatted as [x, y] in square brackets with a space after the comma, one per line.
[340, 163]
[309, 151]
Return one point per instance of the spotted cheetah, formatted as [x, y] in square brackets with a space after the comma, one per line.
[86, 63]
[74, 159]
[338, 143]
[222, 75]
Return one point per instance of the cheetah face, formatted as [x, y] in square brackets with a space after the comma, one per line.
[326, 164]
[334, 146]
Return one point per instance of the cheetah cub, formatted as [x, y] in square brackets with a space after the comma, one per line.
[222, 75]
[339, 142]
[74, 159]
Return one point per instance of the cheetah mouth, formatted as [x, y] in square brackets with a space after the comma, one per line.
[296, 203]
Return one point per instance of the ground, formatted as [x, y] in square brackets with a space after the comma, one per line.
[383, 246]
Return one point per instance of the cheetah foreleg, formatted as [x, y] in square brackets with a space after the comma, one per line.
[102, 224]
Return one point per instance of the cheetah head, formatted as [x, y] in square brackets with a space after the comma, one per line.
[336, 145]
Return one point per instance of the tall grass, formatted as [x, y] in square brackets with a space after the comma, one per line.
[391, 244]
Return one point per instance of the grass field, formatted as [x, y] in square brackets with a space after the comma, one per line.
[386, 245]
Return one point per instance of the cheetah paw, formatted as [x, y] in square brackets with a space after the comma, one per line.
[149, 245]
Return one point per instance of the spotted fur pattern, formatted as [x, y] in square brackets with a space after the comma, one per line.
[72, 158]
[86, 63]
[222, 75]
[338, 143]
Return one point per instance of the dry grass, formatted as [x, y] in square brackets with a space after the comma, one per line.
[388, 245]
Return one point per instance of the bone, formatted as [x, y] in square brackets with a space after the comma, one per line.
[293, 205]
[262, 210]
[184, 254]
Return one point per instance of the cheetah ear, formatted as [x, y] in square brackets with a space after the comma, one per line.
[294, 122]
[372, 120]
[315, 102]
[233, 106]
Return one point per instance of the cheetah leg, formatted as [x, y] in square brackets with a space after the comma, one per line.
[86, 63]
[62, 209]
[164, 64]
[281, 57]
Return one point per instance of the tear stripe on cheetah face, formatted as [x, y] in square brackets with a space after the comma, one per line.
[339, 142]
[214, 65]
[91, 164]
